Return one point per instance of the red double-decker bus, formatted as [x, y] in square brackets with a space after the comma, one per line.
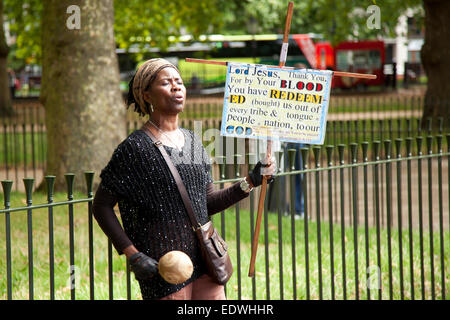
[306, 49]
[353, 56]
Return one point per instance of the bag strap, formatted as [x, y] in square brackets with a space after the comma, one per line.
[176, 176]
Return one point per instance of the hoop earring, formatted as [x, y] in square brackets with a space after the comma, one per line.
[151, 107]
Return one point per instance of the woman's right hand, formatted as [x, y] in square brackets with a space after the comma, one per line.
[143, 266]
[263, 167]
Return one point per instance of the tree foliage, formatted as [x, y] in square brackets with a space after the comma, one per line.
[140, 23]
[335, 20]
[24, 19]
[152, 22]
[137, 22]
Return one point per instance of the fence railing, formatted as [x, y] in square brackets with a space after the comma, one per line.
[23, 138]
[24, 146]
[375, 226]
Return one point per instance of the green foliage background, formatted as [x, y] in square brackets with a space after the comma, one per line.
[139, 22]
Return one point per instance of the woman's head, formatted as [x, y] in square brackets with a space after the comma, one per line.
[156, 85]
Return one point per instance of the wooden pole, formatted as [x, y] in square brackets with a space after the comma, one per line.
[335, 73]
[281, 64]
[262, 195]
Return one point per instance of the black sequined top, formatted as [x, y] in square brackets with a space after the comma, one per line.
[153, 214]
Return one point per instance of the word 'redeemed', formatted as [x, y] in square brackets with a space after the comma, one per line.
[298, 96]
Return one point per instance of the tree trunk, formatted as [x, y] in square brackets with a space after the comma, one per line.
[5, 95]
[436, 61]
[85, 112]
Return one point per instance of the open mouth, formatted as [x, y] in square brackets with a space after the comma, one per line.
[178, 99]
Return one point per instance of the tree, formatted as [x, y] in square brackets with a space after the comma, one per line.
[85, 113]
[436, 60]
[5, 96]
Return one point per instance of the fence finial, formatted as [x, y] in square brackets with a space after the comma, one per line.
[7, 186]
[220, 160]
[316, 151]
[70, 177]
[354, 152]
[292, 153]
[365, 149]
[89, 177]
[279, 158]
[304, 152]
[330, 149]
[387, 148]
[28, 182]
[408, 141]
[398, 147]
[430, 144]
[376, 150]
[50, 186]
[341, 148]
[419, 140]
[439, 142]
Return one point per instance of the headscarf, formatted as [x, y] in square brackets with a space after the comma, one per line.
[144, 76]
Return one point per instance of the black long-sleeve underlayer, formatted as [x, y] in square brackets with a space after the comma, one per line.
[104, 203]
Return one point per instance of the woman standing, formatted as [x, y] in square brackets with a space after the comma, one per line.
[137, 177]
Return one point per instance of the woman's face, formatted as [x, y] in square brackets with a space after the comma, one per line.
[167, 93]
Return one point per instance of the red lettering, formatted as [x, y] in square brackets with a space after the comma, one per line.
[300, 85]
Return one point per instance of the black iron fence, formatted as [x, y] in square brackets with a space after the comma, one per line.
[372, 222]
[23, 138]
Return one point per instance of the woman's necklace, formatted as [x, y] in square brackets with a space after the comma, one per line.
[166, 135]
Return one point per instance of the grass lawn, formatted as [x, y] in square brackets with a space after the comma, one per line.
[264, 282]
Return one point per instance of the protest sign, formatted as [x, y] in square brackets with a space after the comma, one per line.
[288, 105]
